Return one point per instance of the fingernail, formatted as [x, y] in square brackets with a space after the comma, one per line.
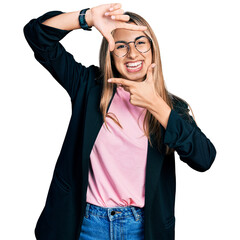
[113, 17]
[153, 65]
[106, 13]
[109, 80]
[110, 9]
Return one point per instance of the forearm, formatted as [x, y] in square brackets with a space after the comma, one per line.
[191, 144]
[68, 21]
[160, 110]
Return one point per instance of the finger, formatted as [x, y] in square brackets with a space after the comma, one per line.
[114, 6]
[127, 89]
[150, 71]
[116, 12]
[132, 26]
[124, 18]
[110, 40]
[121, 81]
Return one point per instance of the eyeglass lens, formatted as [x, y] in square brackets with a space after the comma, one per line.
[142, 45]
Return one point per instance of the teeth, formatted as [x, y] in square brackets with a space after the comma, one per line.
[134, 64]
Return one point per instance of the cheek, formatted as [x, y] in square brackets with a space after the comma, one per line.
[149, 58]
[118, 64]
[148, 61]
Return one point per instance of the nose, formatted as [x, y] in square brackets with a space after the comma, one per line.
[133, 52]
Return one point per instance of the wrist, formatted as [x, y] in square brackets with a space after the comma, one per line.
[88, 18]
[160, 110]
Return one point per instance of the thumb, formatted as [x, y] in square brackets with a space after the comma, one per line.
[111, 42]
[150, 71]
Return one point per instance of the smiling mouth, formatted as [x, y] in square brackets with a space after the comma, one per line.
[134, 67]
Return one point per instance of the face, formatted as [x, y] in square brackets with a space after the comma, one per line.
[124, 65]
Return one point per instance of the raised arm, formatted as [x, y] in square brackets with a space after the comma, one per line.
[49, 52]
[44, 33]
[105, 18]
[68, 21]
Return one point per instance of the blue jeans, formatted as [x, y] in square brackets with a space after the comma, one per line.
[115, 223]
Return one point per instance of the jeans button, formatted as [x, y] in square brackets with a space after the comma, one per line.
[113, 213]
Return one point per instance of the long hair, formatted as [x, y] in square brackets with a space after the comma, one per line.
[151, 125]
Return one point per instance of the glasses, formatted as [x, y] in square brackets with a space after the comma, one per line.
[142, 44]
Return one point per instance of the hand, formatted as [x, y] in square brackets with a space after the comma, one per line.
[107, 17]
[142, 94]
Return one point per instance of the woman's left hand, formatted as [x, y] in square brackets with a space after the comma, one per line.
[142, 94]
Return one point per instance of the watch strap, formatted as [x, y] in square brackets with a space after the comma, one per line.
[82, 20]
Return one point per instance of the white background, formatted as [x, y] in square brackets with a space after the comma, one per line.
[200, 51]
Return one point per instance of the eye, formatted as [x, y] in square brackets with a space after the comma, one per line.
[121, 46]
[141, 42]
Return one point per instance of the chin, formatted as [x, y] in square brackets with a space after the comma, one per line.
[136, 79]
[134, 76]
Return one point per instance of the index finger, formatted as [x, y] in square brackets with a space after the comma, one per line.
[133, 27]
[121, 81]
[115, 6]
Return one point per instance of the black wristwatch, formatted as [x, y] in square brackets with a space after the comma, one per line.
[82, 20]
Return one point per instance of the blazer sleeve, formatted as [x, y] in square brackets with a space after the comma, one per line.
[49, 52]
[191, 144]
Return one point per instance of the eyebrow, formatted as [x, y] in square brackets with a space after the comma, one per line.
[130, 41]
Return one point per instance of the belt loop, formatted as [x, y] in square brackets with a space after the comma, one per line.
[136, 215]
[87, 210]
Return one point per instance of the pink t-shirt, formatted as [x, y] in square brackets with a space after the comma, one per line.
[118, 158]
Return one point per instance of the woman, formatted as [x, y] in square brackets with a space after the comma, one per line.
[115, 175]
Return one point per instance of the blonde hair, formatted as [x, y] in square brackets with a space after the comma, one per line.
[151, 125]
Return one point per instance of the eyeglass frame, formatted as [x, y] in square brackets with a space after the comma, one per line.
[127, 43]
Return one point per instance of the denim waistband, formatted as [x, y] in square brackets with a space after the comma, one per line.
[114, 212]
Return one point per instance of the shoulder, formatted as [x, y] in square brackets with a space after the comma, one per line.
[181, 107]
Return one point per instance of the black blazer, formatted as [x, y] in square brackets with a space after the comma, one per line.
[63, 213]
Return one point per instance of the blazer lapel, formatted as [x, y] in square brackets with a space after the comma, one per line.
[153, 170]
[93, 124]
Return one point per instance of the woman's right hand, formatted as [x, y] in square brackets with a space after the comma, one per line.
[107, 17]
